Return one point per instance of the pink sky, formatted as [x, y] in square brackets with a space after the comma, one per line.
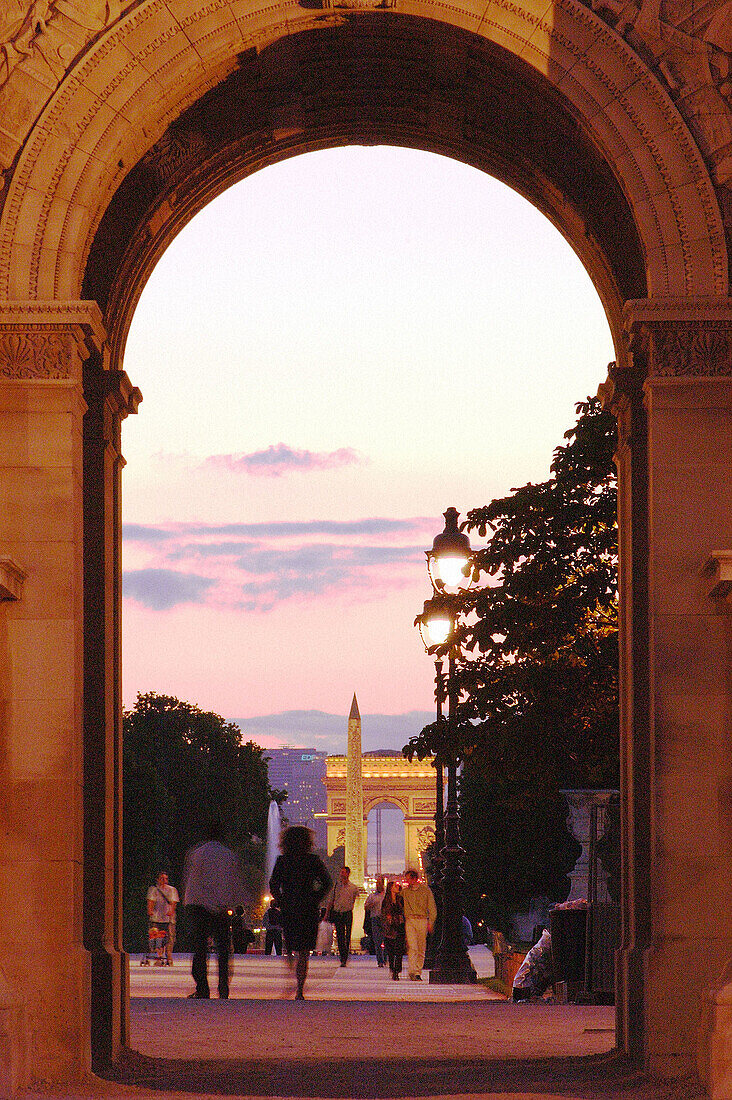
[331, 354]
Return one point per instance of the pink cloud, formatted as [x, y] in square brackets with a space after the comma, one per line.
[279, 459]
[254, 567]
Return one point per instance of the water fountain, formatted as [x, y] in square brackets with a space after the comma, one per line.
[274, 824]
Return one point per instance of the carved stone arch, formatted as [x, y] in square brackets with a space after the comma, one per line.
[139, 76]
[614, 118]
[372, 802]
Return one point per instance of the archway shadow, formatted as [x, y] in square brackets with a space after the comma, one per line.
[589, 1078]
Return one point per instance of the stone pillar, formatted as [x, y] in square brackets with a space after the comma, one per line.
[673, 397]
[110, 398]
[44, 969]
[579, 820]
[62, 973]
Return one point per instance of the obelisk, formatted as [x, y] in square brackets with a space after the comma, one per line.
[355, 855]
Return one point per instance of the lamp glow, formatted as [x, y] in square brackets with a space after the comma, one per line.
[438, 630]
[451, 570]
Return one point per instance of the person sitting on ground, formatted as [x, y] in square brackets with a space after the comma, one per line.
[536, 973]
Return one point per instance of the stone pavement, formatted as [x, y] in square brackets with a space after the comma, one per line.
[360, 1036]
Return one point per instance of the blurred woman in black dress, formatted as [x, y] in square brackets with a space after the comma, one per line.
[299, 883]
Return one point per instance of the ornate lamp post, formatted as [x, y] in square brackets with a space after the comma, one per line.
[450, 569]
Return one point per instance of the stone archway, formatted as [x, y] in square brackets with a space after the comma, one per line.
[408, 785]
[118, 122]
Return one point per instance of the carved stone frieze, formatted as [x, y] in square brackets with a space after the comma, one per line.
[679, 339]
[41, 28]
[37, 355]
[173, 151]
[425, 836]
[47, 340]
[691, 350]
[690, 50]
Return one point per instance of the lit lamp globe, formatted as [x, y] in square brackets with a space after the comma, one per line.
[438, 629]
[449, 560]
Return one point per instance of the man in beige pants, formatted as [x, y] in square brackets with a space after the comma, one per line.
[420, 913]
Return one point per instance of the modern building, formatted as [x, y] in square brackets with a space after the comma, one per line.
[301, 772]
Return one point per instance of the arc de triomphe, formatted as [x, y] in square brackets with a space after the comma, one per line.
[385, 779]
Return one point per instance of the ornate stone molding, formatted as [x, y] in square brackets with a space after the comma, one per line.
[26, 355]
[689, 50]
[678, 338]
[47, 341]
[122, 395]
[11, 579]
[719, 570]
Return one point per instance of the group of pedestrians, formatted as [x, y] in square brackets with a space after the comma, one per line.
[303, 894]
[401, 919]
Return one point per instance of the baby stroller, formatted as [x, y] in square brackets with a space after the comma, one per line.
[157, 940]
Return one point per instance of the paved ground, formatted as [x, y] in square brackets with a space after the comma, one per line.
[359, 1036]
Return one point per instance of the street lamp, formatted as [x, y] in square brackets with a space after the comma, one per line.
[449, 564]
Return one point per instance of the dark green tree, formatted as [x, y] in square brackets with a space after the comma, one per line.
[543, 687]
[182, 766]
[538, 691]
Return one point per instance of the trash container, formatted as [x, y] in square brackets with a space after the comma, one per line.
[569, 931]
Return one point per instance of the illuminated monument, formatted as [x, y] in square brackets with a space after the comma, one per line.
[355, 826]
[356, 784]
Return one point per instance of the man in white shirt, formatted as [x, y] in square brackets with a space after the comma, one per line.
[213, 888]
[340, 911]
[162, 899]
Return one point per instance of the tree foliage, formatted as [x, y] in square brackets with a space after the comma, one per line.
[182, 766]
[538, 706]
[543, 686]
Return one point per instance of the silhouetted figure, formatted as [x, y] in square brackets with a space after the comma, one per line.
[273, 930]
[298, 885]
[392, 924]
[340, 912]
[213, 890]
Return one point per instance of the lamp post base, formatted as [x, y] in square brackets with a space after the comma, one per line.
[456, 972]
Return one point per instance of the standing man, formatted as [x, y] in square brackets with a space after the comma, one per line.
[420, 913]
[373, 908]
[340, 914]
[162, 899]
[213, 888]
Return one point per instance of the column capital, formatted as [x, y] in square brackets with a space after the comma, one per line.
[11, 579]
[679, 337]
[48, 341]
[123, 398]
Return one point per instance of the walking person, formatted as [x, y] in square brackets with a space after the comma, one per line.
[344, 897]
[372, 906]
[213, 888]
[162, 899]
[299, 883]
[420, 913]
[392, 923]
[272, 922]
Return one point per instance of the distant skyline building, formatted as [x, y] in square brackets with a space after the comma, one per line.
[301, 772]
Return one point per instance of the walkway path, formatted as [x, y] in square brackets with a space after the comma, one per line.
[360, 1036]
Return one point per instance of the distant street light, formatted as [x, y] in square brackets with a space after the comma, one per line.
[449, 564]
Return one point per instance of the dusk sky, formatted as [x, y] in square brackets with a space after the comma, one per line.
[332, 353]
